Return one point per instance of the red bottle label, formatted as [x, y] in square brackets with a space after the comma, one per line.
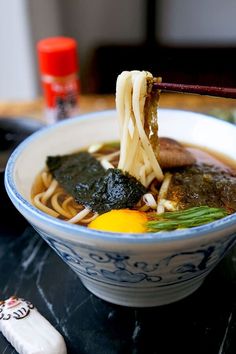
[61, 96]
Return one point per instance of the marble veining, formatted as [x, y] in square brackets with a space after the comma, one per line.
[137, 329]
[206, 319]
[225, 334]
[30, 252]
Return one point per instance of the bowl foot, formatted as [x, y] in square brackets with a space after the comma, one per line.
[131, 296]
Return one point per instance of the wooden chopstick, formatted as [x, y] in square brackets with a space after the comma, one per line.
[226, 92]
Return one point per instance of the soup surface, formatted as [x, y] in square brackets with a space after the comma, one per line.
[209, 181]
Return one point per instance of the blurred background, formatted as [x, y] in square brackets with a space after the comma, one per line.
[184, 41]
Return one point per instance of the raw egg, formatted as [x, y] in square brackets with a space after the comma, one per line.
[122, 220]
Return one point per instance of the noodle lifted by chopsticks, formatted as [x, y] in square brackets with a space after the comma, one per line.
[137, 156]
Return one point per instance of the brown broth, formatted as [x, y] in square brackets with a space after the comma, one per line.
[208, 156]
[202, 155]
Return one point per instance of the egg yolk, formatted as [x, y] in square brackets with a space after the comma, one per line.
[122, 220]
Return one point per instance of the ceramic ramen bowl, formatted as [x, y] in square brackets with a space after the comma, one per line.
[128, 269]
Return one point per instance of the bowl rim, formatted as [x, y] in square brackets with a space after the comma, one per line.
[73, 231]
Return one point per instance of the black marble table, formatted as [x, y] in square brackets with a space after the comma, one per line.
[205, 322]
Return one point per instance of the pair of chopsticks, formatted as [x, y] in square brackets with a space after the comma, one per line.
[226, 92]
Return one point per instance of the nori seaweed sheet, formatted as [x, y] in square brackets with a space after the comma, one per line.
[202, 184]
[83, 177]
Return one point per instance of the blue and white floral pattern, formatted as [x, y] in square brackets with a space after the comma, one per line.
[125, 268]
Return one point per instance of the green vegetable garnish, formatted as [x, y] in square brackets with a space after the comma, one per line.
[184, 218]
[112, 144]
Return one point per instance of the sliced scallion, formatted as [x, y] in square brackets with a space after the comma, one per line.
[184, 218]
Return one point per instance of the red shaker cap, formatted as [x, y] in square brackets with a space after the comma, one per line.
[57, 56]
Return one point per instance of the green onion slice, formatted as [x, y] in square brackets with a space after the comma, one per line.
[183, 219]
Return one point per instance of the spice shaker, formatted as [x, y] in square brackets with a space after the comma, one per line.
[58, 63]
